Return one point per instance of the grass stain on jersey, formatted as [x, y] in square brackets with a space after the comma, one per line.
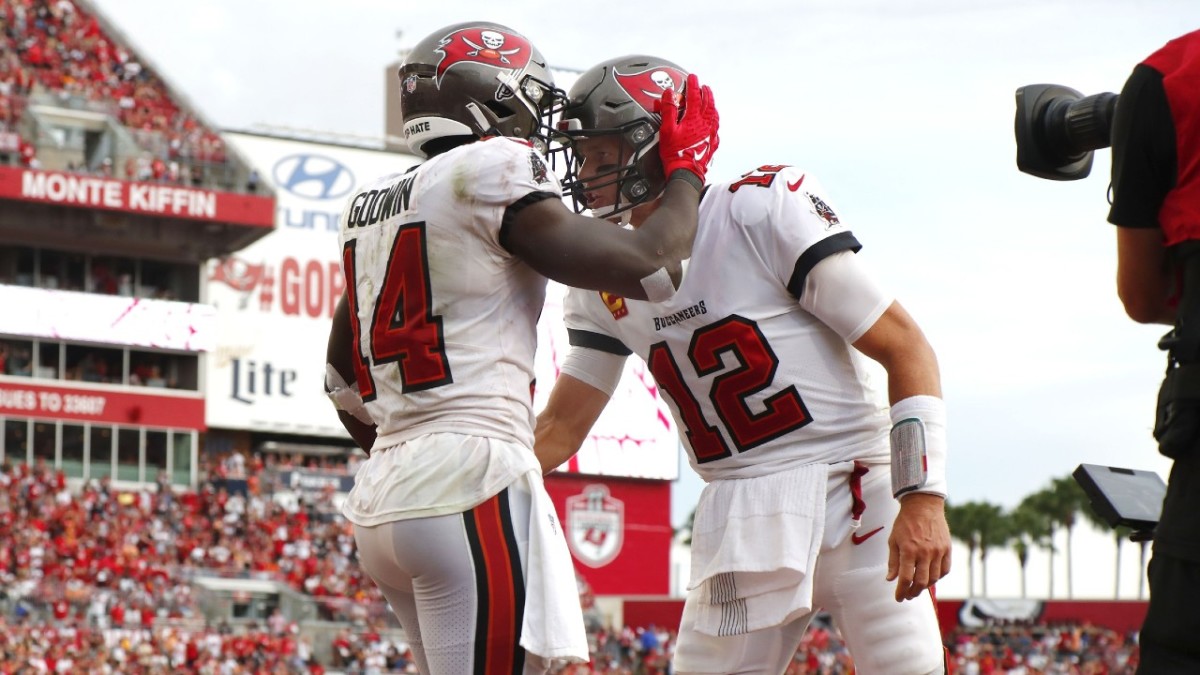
[460, 184]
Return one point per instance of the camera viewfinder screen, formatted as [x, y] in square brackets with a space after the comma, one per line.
[1134, 496]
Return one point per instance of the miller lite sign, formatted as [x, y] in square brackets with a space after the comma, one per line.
[595, 526]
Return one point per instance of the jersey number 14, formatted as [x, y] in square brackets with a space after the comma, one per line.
[404, 329]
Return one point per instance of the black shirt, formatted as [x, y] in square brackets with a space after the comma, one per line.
[1143, 150]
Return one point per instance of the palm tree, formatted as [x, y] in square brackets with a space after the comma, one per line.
[1143, 543]
[1069, 500]
[1060, 501]
[1120, 532]
[960, 519]
[1042, 502]
[975, 525]
[1030, 527]
[994, 532]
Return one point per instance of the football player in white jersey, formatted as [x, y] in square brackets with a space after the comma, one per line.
[446, 268]
[818, 494]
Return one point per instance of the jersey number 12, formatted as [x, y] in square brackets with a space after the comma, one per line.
[784, 411]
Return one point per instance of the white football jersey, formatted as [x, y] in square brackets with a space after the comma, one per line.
[444, 315]
[756, 383]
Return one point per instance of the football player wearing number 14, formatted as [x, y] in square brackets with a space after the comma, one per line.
[446, 269]
[815, 497]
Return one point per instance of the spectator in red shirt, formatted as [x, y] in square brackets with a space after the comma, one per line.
[62, 609]
[28, 154]
[147, 615]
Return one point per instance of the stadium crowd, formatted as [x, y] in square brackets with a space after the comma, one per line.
[1025, 648]
[1002, 649]
[56, 48]
[111, 553]
[99, 580]
[45, 647]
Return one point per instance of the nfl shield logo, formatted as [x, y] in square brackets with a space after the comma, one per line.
[595, 526]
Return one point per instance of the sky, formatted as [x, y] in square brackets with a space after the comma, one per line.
[903, 109]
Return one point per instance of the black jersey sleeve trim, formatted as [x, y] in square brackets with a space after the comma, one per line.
[1144, 155]
[842, 241]
[514, 208]
[598, 341]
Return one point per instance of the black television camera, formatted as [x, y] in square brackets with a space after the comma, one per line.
[1057, 129]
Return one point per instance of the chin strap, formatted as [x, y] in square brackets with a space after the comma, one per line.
[487, 127]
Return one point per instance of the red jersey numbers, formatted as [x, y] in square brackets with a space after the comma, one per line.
[782, 412]
[705, 439]
[362, 367]
[403, 328]
[763, 176]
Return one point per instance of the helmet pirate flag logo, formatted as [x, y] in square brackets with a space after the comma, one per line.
[485, 46]
[646, 87]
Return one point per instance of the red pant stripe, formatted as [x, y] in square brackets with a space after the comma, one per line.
[500, 588]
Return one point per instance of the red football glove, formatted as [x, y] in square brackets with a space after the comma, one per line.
[687, 141]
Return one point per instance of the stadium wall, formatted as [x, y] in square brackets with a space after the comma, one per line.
[1120, 615]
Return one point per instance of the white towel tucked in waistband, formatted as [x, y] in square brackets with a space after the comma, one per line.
[553, 624]
[754, 546]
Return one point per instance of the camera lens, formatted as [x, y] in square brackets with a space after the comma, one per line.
[1057, 128]
[1075, 127]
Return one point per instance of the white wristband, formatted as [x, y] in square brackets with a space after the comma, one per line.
[918, 442]
[345, 397]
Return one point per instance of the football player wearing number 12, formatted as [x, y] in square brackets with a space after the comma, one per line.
[814, 497]
[446, 269]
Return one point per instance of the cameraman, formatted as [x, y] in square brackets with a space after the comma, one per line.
[1156, 206]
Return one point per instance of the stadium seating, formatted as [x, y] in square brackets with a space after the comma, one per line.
[54, 53]
[104, 538]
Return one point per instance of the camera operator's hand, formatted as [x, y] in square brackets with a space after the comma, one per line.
[687, 141]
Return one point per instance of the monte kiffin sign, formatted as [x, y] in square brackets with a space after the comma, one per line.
[158, 199]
